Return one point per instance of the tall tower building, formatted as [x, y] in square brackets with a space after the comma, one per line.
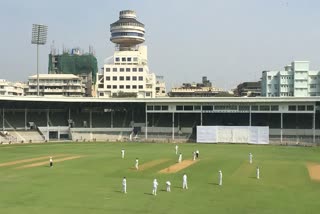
[127, 74]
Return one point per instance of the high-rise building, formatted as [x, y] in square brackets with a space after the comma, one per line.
[296, 80]
[127, 73]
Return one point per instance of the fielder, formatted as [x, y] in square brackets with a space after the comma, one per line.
[168, 183]
[137, 164]
[155, 187]
[180, 158]
[194, 156]
[122, 153]
[197, 153]
[51, 162]
[250, 158]
[124, 185]
[220, 178]
[184, 181]
[177, 149]
[258, 173]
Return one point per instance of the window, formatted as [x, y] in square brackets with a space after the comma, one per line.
[140, 78]
[123, 59]
[264, 108]
[128, 78]
[254, 108]
[292, 108]
[313, 86]
[127, 69]
[114, 69]
[114, 78]
[148, 94]
[121, 69]
[134, 78]
[127, 86]
[244, 108]
[157, 108]
[188, 108]
[309, 108]
[121, 86]
[207, 108]
[107, 78]
[101, 94]
[197, 108]
[134, 87]
[117, 59]
[121, 78]
[140, 69]
[164, 108]
[150, 108]
[129, 59]
[134, 69]
[140, 86]
[269, 77]
[107, 69]
[114, 86]
[301, 108]
[109, 86]
[135, 59]
[179, 108]
[274, 108]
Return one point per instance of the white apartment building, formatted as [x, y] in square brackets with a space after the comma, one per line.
[127, 73]
[11, 88]
[296, 80]
[68, 85]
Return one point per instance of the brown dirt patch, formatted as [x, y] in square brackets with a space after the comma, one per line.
[47, 162]
[314, 171]
[29, 160]
[178, 166]
[151, 164]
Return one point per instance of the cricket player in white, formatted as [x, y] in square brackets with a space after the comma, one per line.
[194, 156]
[197, 153]
[177, 149]
[137, 164]
[250, 158]
[155, 186]
[122, 153]
[220, 178]
[168, 183]
[180, 158]
[184, 182]
[124, 185]
[258, 173]
[51, 162]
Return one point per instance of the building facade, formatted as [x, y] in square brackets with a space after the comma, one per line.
[11, 88]
[296, 80]
[127, 73]
[68, 85]
[248, 89]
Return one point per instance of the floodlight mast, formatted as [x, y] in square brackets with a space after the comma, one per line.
[39, 37]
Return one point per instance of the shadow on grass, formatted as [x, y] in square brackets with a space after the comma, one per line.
[118, 191]
[215, 184]
[147, 193]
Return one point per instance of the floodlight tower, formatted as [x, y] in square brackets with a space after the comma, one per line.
[39, 37]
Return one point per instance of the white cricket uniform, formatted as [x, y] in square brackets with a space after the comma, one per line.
[220, 178]
[177, 149]
[124, 185]
[258, 173]
[155, 187]
[51, 162]
[194, 156]
[122, 153]
[137, 164]
[250, 158]
[184, 182]
[197, 153]
[168, 183]
[180, 158]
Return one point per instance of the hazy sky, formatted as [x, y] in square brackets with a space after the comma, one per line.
[228, 41]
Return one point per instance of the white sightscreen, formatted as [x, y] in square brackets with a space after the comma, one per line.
[233, 134]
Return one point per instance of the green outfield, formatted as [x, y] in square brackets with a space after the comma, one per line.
[86, 178]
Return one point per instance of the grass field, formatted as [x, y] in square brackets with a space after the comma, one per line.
[91, 181]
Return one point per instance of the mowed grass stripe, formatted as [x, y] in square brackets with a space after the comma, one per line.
[29, 160]
[47, 162]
